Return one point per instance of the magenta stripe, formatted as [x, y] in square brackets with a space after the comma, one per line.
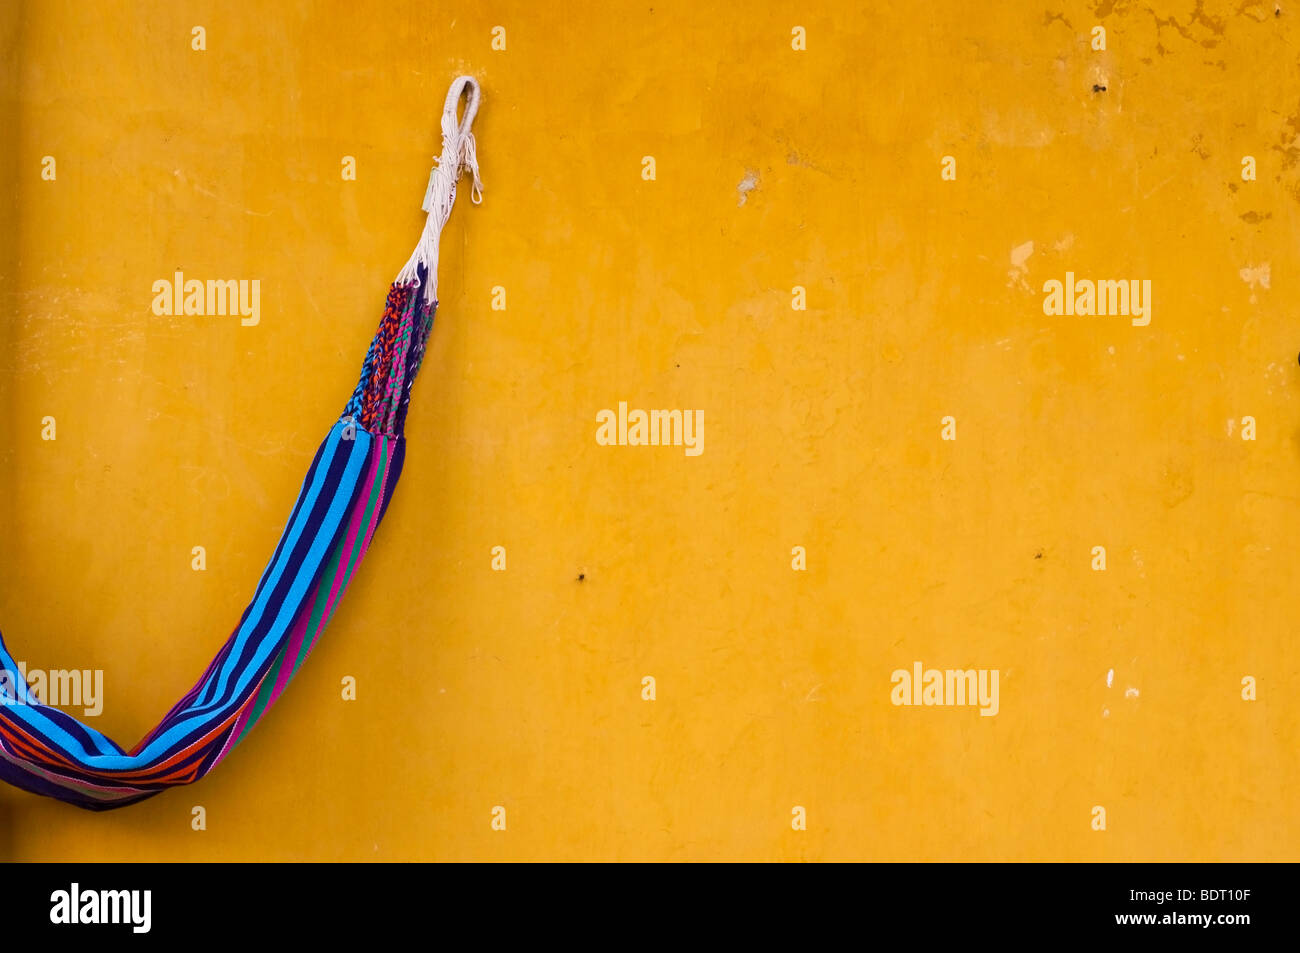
[374, 519]
[291, 652]
[341, 581]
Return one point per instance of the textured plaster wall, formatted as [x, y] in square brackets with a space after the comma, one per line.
[774, 168]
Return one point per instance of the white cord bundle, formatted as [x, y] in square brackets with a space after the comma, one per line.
[457, 155]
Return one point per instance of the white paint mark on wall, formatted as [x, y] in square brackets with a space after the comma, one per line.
[1131, 692]
[1258, 276]
[748, 184]
[1019, 267]
[1110, 678]
[1276, 375]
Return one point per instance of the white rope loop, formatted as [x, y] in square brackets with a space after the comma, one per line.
[458, 155]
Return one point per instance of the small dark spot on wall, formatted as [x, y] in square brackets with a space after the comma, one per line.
[1038, 555]
[581, 576]
[1098, 88]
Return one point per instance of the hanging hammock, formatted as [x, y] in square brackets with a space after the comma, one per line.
[343, 498]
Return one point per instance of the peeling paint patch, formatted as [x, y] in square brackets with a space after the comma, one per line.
[1019, 269]
[748, 184]
[1276, 376]
[1257, 276]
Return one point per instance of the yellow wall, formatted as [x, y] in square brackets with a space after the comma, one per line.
[822, 427]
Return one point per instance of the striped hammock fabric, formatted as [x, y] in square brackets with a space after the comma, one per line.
[342, 502]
